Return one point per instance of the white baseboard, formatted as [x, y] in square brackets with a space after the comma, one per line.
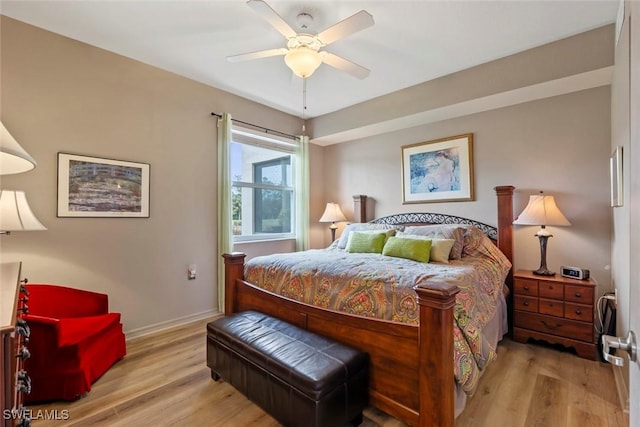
[168, 324]
[622, 386]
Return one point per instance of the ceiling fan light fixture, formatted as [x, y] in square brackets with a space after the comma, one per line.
[303, 61]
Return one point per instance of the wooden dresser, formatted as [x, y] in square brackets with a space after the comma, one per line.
[14, 332]
[555, 309]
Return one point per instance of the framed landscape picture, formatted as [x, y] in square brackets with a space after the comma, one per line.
[97, 187]
[438, 171]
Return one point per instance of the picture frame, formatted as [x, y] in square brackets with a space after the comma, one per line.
[438, 171]
[99, 187]
[615, 168]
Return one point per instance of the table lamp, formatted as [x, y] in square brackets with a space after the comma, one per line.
[332, 214]
[15, 213]
[542, 210]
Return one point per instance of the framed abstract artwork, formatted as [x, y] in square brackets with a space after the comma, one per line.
[615, 168]
[98, 187]
[438, 171]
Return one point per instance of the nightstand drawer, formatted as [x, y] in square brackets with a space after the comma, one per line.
[551, 290]
[525, 303]
[578, 312]
[579, 294]
[526, 287]
[555, 326]
[551, 307]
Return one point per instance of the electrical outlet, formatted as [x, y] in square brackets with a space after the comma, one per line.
[191, 272]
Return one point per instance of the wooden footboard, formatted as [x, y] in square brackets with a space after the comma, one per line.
[411, 370]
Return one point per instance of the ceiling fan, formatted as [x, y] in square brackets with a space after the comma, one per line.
[302, 54]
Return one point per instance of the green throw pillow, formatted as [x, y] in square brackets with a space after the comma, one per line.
[366, 242]
[414, 249]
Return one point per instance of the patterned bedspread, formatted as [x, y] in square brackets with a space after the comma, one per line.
[374, 285]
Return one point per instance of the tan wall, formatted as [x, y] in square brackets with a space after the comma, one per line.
[560, 145]
[62, 95]
[620, 134]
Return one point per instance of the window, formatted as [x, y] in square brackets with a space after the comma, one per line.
[262, 191]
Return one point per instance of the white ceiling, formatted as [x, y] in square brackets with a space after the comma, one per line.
[411, 41]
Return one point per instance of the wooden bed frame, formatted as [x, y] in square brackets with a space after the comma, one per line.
[411, 369]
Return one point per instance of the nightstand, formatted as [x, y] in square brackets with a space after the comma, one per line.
[555, 309]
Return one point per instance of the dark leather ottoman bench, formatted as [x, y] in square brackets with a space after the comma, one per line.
[298, 377]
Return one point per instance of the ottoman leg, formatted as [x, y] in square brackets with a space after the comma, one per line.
[214, 375]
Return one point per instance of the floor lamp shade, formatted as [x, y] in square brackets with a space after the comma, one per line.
[542, 210]
[13, 158]
[15, 213]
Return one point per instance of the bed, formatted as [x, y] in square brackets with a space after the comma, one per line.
[412, 368]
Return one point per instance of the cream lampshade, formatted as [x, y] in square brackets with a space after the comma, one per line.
[332, 214]
[13, 158]
[542, 210]
[15, 213]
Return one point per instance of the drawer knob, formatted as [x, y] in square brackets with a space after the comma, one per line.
[578, 312]
[526, 303]
[578, 295]
[526, 288]
[556, 326]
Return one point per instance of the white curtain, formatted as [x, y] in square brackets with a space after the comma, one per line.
[225, 231]
[302, 193]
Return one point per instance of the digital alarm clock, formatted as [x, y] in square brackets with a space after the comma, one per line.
[574, 272]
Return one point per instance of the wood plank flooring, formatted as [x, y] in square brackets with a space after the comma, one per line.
[164, 381]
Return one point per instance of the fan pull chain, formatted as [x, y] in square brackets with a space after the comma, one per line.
[304, 102]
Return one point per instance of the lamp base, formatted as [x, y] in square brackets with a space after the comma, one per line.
[543, 236]
[333, 227]
[543, 272]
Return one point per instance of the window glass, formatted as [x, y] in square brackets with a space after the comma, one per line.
[262, 192]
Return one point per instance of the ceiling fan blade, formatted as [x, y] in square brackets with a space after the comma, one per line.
[272, 17]
[344, 65]
[346, 27]
[257, 55]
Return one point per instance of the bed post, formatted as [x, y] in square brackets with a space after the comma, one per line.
[233, 271]
[360, 208]
[505, 239]
[505, 219]
[435, 348]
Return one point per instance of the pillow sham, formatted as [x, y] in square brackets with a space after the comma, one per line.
[344, 237]
[442, 231]
[482, 246]
[440, 248]
[413, 249]
[360, 242]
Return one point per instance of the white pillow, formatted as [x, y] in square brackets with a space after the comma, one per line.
[440, 248]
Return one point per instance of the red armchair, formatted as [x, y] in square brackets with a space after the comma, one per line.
[74, 340]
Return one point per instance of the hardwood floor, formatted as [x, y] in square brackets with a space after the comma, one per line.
[164, 381]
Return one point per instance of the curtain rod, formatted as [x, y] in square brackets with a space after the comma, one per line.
[266, 130]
